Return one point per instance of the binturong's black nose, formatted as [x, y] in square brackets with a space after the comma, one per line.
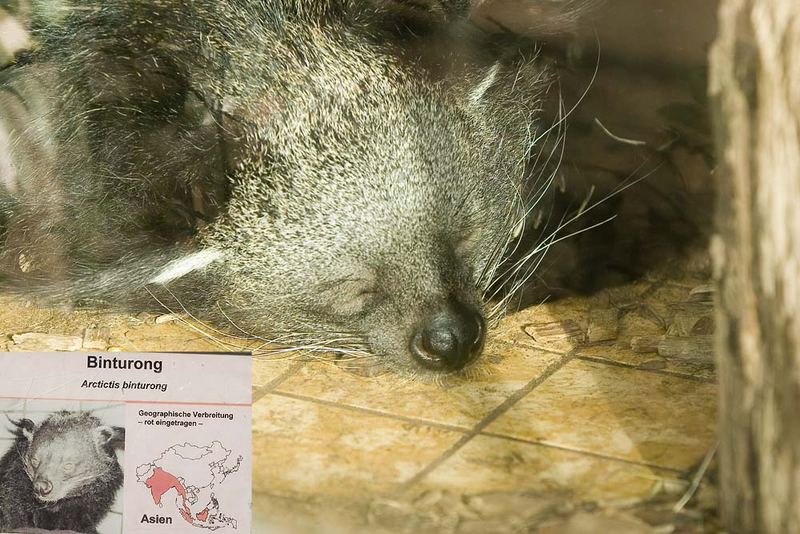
[449, 339]
[42, 487]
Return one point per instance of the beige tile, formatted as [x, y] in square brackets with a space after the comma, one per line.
[18, 316]
[268, 368]
[284, 514]
[125, 332]
[564, 324]
[599, 521]
[624, 413]
[301, 447]
[458, 401]
[167, 337]
[646, 361]
[487, 464]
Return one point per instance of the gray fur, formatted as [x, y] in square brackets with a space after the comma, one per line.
[314, 172]
[72, 451]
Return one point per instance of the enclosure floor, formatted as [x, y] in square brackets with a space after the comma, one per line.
[561, 428]
[552, 433]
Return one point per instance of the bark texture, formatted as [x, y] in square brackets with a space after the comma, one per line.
[755, 89]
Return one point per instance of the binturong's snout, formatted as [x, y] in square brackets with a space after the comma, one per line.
[42, 487]
[449, 339]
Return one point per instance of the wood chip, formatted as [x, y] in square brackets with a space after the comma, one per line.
[685, 316]
[603, 325]
[36, 341]
[703, 293]
[168, 318]
[698, 349]
[703, 327]
[96, 338]
[652, 365]
[644, 344]
[556, 332]
[505, 504]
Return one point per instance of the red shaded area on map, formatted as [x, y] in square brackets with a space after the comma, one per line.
[187, 515]
[160, 483]
[202, 516]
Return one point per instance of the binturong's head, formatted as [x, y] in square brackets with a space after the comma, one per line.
[377, 188]
[68, 454]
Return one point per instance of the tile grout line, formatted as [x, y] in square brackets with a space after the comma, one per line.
[271, 388]
[487, 420]
[259, 393]
[371, 411]
[675, 374]
[534, 346]
[581, 451]
[277, 381]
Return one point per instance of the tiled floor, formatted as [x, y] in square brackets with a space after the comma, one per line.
[551, 423]
[573, 421]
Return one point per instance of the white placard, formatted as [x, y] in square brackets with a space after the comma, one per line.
[187, 447]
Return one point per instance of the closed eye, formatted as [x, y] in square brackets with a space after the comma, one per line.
[366, 291]
[349, 296]
[351, 284]
[467, 242]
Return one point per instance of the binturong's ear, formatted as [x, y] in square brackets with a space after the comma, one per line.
[107, 438]
[536, 19]
[511, 92]
[518, 77]
[430, 10]
[25, 428]
[117, 440]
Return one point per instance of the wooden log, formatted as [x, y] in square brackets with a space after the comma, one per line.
[755, 89]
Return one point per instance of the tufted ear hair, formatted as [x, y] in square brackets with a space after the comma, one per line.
[433, 10]
[537, 19]
[25, 428]
[540, 17]
[107, 438]
[512, 90]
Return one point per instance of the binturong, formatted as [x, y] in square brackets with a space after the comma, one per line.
[313, 173]
[60, 474]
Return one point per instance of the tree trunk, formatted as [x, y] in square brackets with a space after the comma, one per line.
[755, 89]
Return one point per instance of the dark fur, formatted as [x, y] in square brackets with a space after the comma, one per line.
[345, 167]
[80, 512]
